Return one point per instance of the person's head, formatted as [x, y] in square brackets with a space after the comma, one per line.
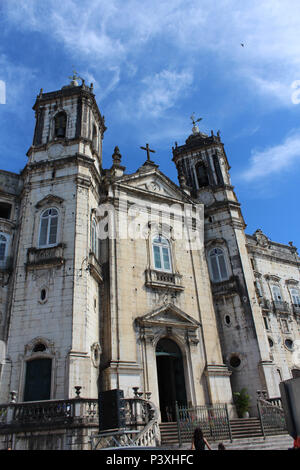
[198, 434]
[221, 446]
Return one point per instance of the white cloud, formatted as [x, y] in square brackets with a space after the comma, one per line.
[162, 91]
[16, 78]
[275, 159]
[117, 34]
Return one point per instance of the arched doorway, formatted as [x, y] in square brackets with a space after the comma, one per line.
[170, 375]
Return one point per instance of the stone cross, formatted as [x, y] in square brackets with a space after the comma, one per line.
[148, 150]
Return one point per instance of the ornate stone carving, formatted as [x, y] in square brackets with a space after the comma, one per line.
[262, 240]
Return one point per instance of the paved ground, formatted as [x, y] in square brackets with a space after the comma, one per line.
[270, 443]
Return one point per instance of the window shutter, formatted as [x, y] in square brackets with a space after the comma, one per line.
[53, 230]
[222, 266]
[157, 260]
[166, 258]
[2, 251]
[43, 232]
[214, 268]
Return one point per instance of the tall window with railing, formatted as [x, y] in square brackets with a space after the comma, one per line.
[295, 297]
[217, 264]
[48, 228]
[161, 254]
[94, 238]
[3, 249]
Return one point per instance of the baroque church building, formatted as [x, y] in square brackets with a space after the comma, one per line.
[111, 280]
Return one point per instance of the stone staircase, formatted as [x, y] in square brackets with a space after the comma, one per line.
[245, 428]
[246, 434]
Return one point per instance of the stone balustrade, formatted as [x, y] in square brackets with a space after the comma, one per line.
[156, 279]
[51, 256]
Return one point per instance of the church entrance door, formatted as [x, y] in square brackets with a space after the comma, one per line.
[171, 382]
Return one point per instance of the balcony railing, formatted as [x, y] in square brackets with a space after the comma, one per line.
[281, 306]
[156, 279]
[6, 264]
[141, 417]
[265, 304]
[52, 256]
[95, 268]
[49, 413]
[296, 309]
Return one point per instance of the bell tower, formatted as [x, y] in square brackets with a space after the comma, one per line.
[53, 342]
[68, 122]
[203, 170]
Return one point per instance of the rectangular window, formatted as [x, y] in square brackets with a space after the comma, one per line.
[285, 326]
[276, 293]
[295, 297]
[258, 288]
[266, 322]
[5, 210]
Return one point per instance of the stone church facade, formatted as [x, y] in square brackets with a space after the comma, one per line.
[112, 280]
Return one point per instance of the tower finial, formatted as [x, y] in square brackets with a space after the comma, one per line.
[194, 121]
[75, 77]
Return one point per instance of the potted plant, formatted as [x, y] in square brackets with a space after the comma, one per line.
[242, 402]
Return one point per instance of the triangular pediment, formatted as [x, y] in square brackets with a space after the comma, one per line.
[51, 199]
[168, 315]
[154, 183]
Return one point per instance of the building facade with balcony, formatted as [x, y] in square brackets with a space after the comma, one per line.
[111, 280]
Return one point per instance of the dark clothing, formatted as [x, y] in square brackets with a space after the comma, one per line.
[200, 445]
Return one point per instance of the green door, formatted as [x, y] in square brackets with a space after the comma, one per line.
[38, 380]
[170, 375]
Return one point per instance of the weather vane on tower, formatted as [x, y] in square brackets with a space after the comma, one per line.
[194, 121]
[75, 77]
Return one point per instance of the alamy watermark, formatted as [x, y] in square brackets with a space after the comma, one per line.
[2, 92]
[130, 218]
[296, 353]
[296, 94]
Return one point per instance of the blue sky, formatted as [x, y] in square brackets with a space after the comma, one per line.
[152, 65]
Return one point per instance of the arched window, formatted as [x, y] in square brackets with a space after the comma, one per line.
[3, 247]
[295, 297]
[161, 254]
[218, 266]
[48, 227]
[202, 176]
[94, 238]
[276, 293]
[60, 121]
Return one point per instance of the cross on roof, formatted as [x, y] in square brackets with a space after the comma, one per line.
[148, 150]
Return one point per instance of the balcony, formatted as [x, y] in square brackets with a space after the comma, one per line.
[227, 288]
[45, 414]
[296, 309]
[6, 264]
[95, 268]
[281, 306]
[265, 303]
[45, 257]
[159, 279]
[81, 417]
